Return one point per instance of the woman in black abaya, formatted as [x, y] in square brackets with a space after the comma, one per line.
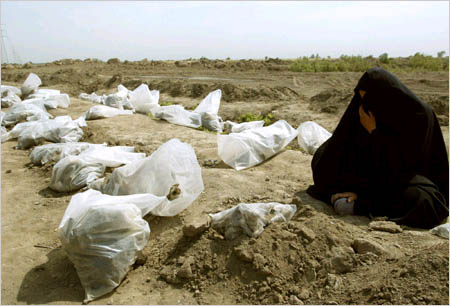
[387, 156]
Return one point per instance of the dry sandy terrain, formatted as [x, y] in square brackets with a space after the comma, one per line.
[313, 259]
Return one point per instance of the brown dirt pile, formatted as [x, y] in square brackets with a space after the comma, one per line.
[313, 259]
[330, 101]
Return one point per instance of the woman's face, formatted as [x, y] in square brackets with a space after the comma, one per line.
[362, 93]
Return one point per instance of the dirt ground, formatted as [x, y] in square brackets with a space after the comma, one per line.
[316, 258]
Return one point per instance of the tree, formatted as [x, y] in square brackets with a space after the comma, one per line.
[440, 54]
[384, 58]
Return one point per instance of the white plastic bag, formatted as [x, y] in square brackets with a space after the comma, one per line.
[102, 236]
[209, 109]
[311, 136]
[62, 100]
[212, 122]
[103, 111]
[251, 147]
[81, 121]
[94, 153]
[60, 129]
[9, 98]
[53, 152]
[14, 89]
[233, 127]
[42, 103]
[115, 101]
[174, 164]
[122, 90]
[125, 95]
[210, 104]
[176, 114]
[93, 97]
[31, 84]
[44, 93]
[144, 100]
[111, 156]
[441, 230]
[25, 111]
[73, 173]
[250, 218]
[3, 133]
[17, 130]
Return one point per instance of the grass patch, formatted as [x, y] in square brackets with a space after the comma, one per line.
[165, 103]
[201, 128]
[192, 107]
[268, 118]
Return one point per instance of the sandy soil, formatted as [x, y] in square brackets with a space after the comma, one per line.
[317, 258]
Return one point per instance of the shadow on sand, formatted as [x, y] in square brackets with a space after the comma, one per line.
[54, 281]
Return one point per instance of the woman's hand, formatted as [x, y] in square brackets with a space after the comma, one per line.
[367, 120]
[351, 196]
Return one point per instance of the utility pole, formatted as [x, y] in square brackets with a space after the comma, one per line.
[4, 51]
[6, 43]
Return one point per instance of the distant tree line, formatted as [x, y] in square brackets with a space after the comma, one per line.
[417, 62]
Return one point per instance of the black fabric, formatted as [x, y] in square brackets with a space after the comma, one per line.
[379, 167]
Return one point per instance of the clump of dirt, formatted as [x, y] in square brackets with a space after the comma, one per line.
[113, 61]
[67, 61]
[114, 81]
[330, 101]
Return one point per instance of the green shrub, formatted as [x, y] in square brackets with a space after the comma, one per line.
[268, 118]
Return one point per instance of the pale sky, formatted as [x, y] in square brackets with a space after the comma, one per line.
[43, 31]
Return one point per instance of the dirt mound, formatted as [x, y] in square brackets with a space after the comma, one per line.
[330, 101]
[303, 262]
[230, 92]
[440, 105]
[407, 280]
[74, 81]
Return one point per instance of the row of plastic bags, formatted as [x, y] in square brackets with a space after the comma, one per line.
[252, 146]
[62, 129]
[10, 95]
[123, 102]
[35, 105]
[142, 100]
